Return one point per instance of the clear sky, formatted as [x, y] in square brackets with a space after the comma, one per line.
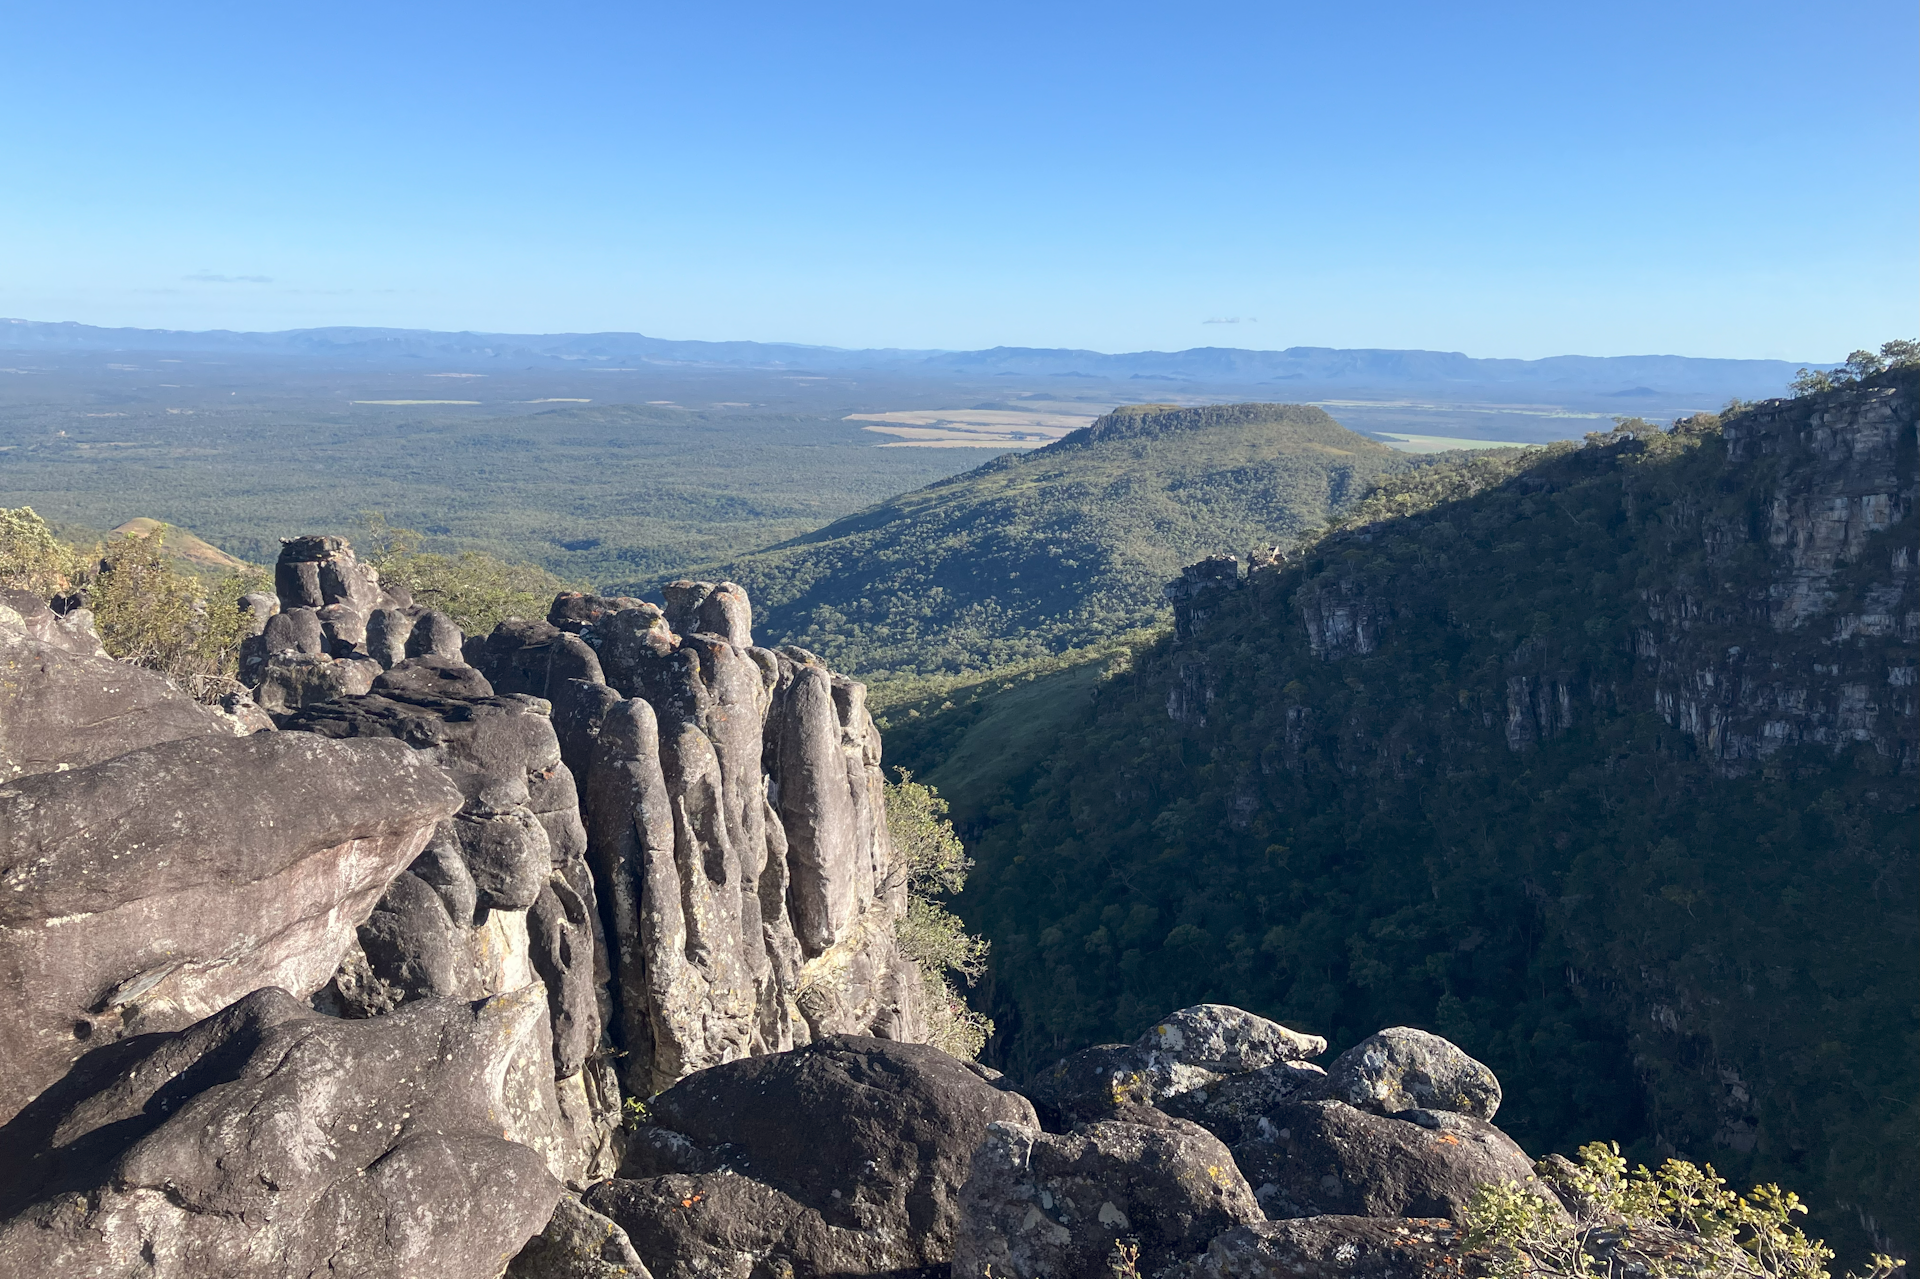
[1731, 179]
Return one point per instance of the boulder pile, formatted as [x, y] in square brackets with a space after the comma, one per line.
[568, 952]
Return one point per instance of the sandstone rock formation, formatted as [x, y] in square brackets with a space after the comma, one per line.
[845, 1156]
[1040, 1206]
[270, 1141]
[1306, 1159]
[1401, 1068]
[1346, 1247]
[155, 888]
[735, 819]
[65, 704]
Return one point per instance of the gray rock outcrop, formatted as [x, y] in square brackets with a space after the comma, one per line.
[1191, 1054]
[1401, 1068]
[1332, 1248]
[1313, 1158]
[269, 1141]
[332, 628]
[847, 1156]
[150, 890]
[501, 895]
[578, 1243]
[65, 704]
[1043, 1206]
[735, 820]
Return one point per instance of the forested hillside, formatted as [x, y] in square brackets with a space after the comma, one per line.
[1597, 760]
[1036, 553]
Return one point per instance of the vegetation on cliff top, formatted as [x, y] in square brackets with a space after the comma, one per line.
[1033, 554]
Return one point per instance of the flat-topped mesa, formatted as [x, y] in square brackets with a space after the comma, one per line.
[736, 826]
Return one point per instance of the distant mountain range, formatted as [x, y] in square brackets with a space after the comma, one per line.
[1294, 368]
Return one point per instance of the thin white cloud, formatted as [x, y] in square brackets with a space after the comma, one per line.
[1234, 319]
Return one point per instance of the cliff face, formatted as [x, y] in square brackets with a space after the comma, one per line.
[1608, 758]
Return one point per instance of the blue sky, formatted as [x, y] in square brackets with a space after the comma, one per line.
[1732, 179]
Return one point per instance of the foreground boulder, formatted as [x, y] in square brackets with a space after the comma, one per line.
[1111, 1194]
[65, 704]
[1332, 1248]
[1316, 1158]
[270, 1141]
[578, 1243]
[845, 1157]
[501, 896]
[1401, 1068]
[153, 889]
[1189, 1053]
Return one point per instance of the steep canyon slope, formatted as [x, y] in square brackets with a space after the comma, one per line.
[1601, 765]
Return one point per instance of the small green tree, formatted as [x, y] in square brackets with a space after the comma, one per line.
[154, 615]
[1860, 365]
[1681, 1220]
[930, 857]
[31, 557]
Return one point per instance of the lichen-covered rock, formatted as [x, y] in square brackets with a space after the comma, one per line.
[1332, 1248]
[1090, 1085]
[1401, 1068]
[1036, 1204]
[578, 1243]
[1226, 1040]
[270, 1141]
[1313, 1158]
[1233, 1107]
[150, 890]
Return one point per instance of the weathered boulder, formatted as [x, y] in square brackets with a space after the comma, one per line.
[70, 632]
[313, 572]
[1313, 1158]
[719, 1226]
[1401, 1068]
[65, 704]
[856, 1146]
[501, 896]
[269, 1141]
[1234, 1107]
[578, 1243]
[289, 681]
[434, 634]
[574, 611]
[1089, 1085]
[1332, 1248]
[387, 631]
[434, 677]
[150, 890]
[1195, 1051]
[1225, 1040]
[1063, 1206]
